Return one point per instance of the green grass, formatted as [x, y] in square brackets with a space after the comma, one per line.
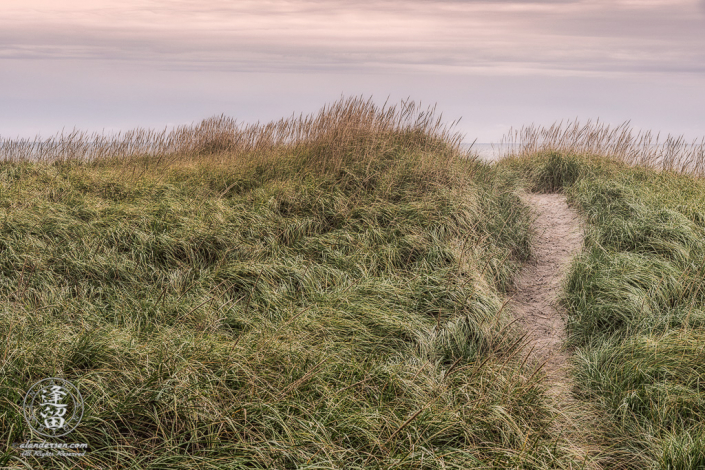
[635, 300]
[329, 291]
[299, 306]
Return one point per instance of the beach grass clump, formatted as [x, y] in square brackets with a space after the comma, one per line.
[549, 172]
[635, 299]
[622, 143]
[324, 292]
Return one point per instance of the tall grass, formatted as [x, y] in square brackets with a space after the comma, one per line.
[333, 126]
[621, 142]
[322, 292]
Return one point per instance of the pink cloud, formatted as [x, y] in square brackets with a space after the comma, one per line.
[579, 36]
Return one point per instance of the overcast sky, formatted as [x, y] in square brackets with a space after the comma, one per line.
[109, 64]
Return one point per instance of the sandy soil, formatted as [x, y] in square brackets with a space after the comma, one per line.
[534, 301]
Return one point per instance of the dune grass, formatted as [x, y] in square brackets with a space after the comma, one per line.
[330, 299]
[329, 291]
[619, 143]
[635, 300]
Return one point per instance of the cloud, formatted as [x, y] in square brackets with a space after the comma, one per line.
[453, 36]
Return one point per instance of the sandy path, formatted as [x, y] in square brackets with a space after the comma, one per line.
[535, 303]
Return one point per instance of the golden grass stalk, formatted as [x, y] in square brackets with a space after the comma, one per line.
[333, 126]
[622, 142]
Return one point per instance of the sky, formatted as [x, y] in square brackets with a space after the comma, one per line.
[114, 65]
